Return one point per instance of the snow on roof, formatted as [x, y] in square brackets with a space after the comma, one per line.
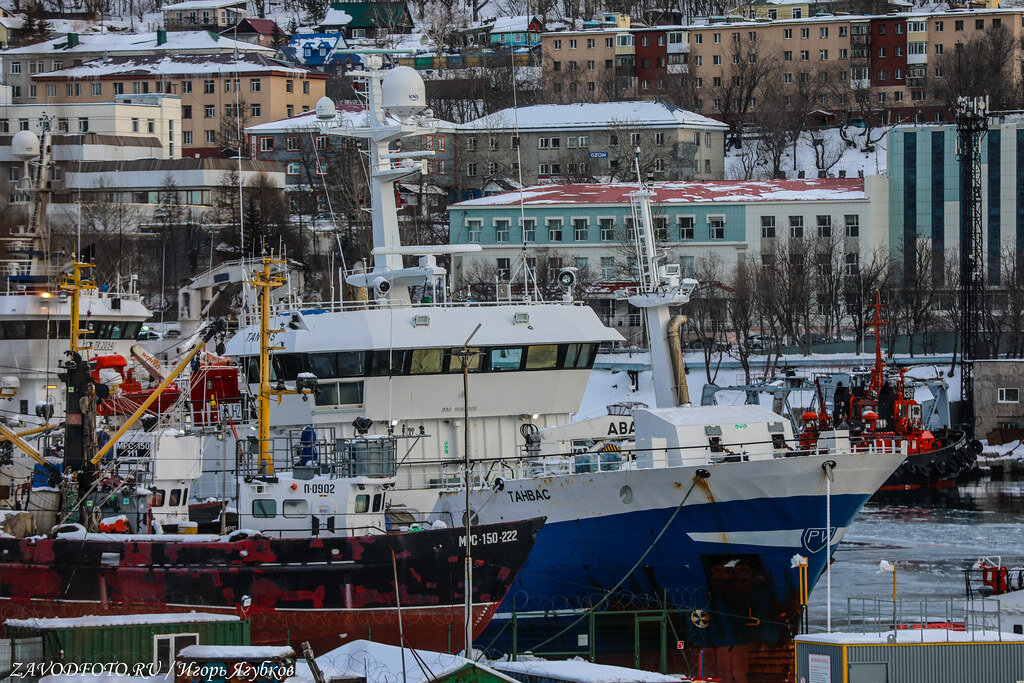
[12, 22]
[113, 43]
[336, 17]
[236, 652]
[380, 663]
[175, 65]
[511, 24]
[202, 4]
[910, 636]
[121, 620]
[590, 116]
[677, 192]
[577, 669]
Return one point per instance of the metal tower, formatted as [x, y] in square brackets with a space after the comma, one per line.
[971, 127]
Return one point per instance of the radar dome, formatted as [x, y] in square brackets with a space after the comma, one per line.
[325, 108]
[25, 145]
[403, 93]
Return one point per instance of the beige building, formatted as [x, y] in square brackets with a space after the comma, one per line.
[19, 65]
[203, 15]
[593, 65]
[153, 119]
[894, 55]
[218, 93]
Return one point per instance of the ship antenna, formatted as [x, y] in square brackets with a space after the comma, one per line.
[519, 175]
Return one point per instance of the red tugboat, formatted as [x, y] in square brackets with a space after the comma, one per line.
[876, 407]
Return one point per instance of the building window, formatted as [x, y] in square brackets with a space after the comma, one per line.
[267, 144]
[580, 229]
[474, 228]
[686, 227]
[767, 227]
[471, 170]
[796, 227]
[186, 137]
[186, 87]
[256, 110]
[852, 225]
[15, 67]
[209, 86]
[529, 229]
[607, 267]
[211, 111]
[504, 267]
[293, 168]
[305, 87]
[607, 226]
[97, 89]
[824, 226]
[1009, 395]
[211, 136]
[823, 55]
[254, 85]
[716, 227]
[135, 125]
[554, 230]
[557, 44]
[502, 231]
[805, 55]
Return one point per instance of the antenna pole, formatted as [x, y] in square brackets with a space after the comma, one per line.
[468, 588]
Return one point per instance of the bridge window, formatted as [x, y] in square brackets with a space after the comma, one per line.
[425, 361]
[362, 502]
[264, 508]
[542, 357]
[505, 359]
[295, 507]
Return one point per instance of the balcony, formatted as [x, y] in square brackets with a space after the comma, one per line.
[678, 68]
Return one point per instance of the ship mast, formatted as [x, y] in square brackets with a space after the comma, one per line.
[264, 281]
[660, 287]
[876, 322]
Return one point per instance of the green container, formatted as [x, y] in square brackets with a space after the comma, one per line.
[130, 639]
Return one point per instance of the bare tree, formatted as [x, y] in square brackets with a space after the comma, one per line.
[708, 315]
[987, 65]
[742, 77]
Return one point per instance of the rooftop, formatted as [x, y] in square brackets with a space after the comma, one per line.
[203, 4]
[511, 24]
[682, 192]
[179, 65]
[590, 116]
[912, 636]
[113, 43]
[119, 620]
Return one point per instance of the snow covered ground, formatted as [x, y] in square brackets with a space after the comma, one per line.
[844, 159]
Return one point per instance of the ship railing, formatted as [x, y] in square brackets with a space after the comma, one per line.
[308, 452]
[531, 464]
[952, 613]
[285, 307]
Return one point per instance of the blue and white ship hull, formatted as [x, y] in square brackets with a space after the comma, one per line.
[641, 537]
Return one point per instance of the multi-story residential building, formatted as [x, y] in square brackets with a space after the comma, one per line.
[303, 147]
[924, 192]
[725, 222]
[891, 59]
[203, 15]
[515, 32]
[594, 65]
[585, 142]
[220, 95]
[21, 64]
[154, 118]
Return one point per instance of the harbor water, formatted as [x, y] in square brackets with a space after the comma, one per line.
[930, 536]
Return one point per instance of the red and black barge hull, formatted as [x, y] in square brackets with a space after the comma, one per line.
[324, 590]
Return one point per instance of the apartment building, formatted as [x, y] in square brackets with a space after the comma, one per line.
[895, 56]
[596, 64]
[219, 93]
[588, 141]
[588, 226]
[19, 65]
[155, 117]
[203, 15]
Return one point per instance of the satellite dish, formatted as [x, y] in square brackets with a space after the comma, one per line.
[325, 108]
[25, 145]
[403, 93]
